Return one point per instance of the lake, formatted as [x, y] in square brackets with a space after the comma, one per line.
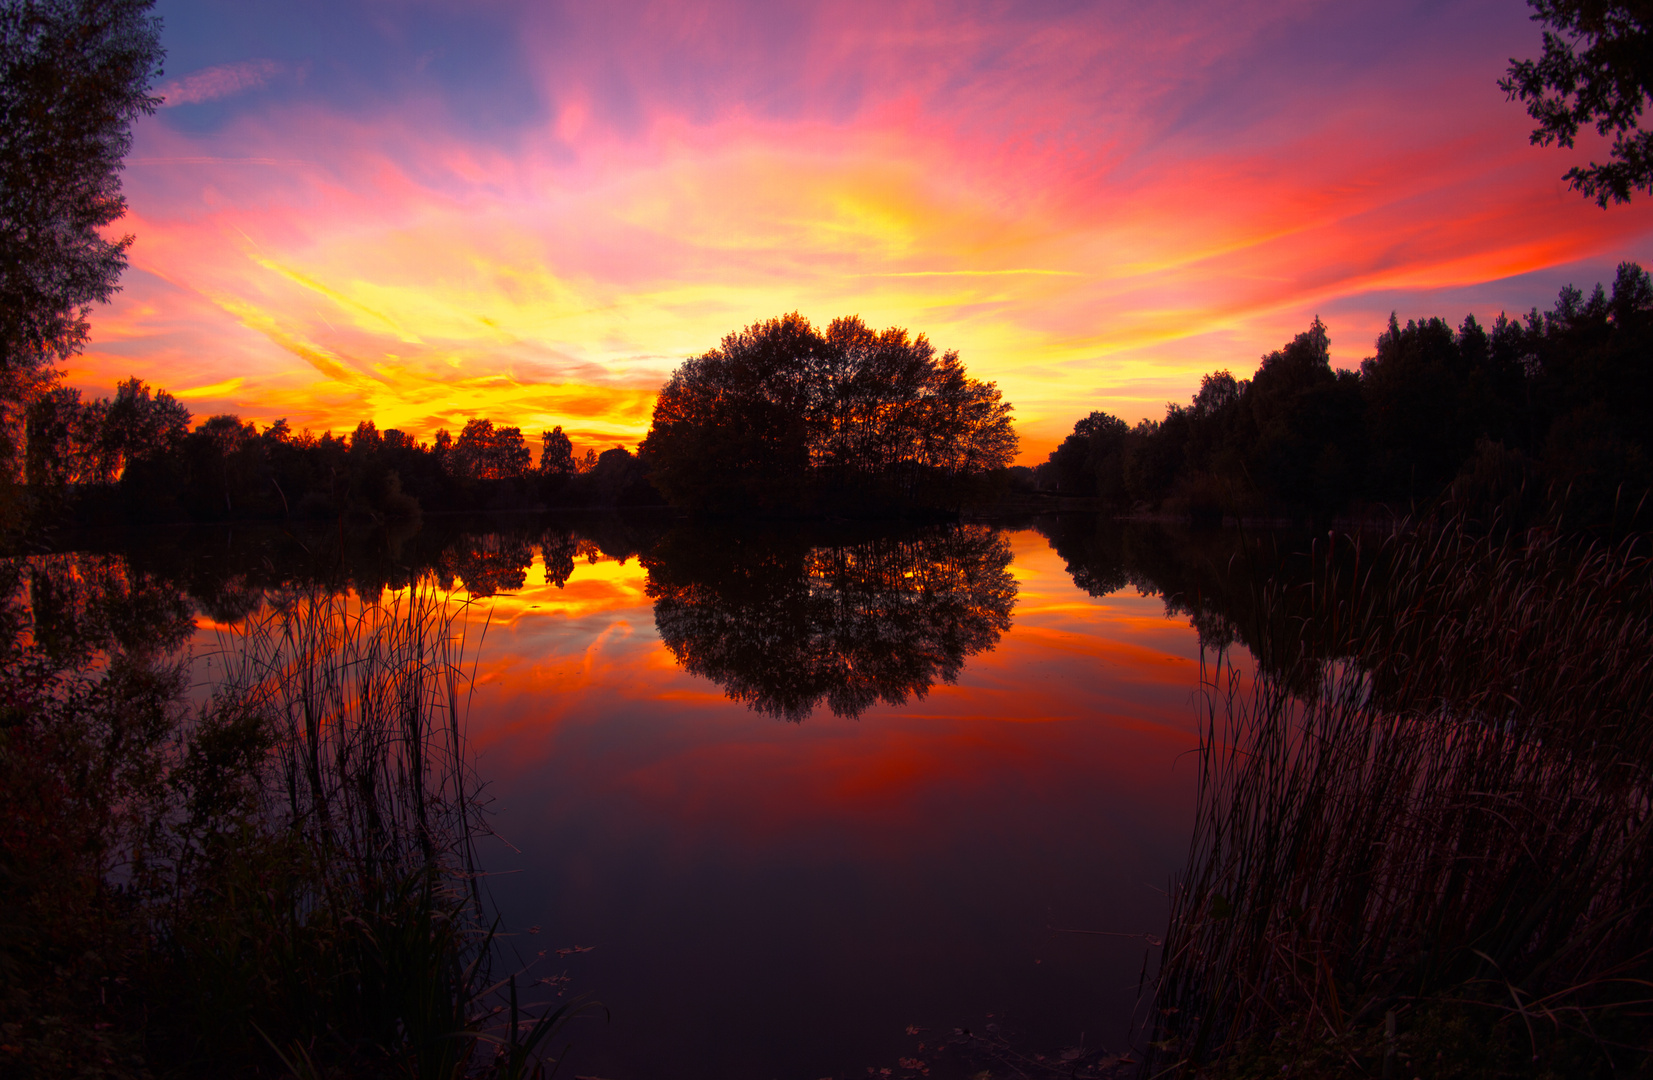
[800, 802]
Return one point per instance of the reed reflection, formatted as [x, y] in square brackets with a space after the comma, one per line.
[784, 624]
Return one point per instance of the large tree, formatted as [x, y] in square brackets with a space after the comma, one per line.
[74, 74]
[784, 417]
[1597, 68]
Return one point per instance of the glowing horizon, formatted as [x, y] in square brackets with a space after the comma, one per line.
[533, 213]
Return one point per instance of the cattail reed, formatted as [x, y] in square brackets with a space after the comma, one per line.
[365, 701]
[375, 942]
[1438, 807]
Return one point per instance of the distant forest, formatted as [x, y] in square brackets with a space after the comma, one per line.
[135, 458]
[781, 419]
[1548, 414]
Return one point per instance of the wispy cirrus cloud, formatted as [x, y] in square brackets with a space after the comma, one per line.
[1095, 203]
[220, 81]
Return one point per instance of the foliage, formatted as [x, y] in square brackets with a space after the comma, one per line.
[483, 452]
[783, 417]
[556, 456]
[1433, 835]
[784, 624]
[74, 74]
[1597, 68]
[1560, 402]
[134, 458]
[276, 883]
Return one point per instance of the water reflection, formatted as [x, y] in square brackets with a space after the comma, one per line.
[78, 605]
[1253, 588]
[782, 620]
[820, 885]
[783, 624]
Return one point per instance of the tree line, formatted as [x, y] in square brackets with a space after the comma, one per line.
[135, 457]
[1553, 411]
[780, 418]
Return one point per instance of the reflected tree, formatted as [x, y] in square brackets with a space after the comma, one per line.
[1249, 588]
[226, 573]
[559, 547]
[487, 563]
[82, 604]
[783, 625]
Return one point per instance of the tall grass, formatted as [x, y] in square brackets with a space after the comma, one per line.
[277, 880]
[364, 704]
[337, 911]
[1426, 847]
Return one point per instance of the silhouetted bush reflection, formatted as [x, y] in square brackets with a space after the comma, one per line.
[487, 563]
[83, 604]
[1247, 587]
[783, 624]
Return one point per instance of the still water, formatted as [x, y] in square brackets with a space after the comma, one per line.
[790, 804]
[784, 885]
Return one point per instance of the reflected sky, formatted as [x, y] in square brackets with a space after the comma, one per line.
[766, 898]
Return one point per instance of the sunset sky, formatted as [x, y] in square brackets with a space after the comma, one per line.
[422, 212]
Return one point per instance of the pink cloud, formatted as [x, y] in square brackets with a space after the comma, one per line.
[221, 81]
[1095, 207]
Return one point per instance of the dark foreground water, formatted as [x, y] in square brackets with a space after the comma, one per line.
[796, 806]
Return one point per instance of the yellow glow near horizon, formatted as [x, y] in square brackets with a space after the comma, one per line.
[326, 266]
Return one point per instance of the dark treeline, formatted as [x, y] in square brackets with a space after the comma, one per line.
[1550, 412]
[228, 573]
[134, 457]
[780, 419]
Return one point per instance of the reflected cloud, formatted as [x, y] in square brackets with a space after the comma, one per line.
[784, 625]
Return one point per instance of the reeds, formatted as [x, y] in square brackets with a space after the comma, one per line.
[1438, 818]
[278, 879]
[331, 877]
[365, 704]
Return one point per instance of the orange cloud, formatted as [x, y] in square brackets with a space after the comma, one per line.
[1054, 196]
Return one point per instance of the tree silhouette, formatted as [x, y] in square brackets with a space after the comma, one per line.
[1543, 414]
[74, 74]
[782, 624]
[483, 452]
[1597, 68]
[556, 455]
[140, 426]
[783, 417]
